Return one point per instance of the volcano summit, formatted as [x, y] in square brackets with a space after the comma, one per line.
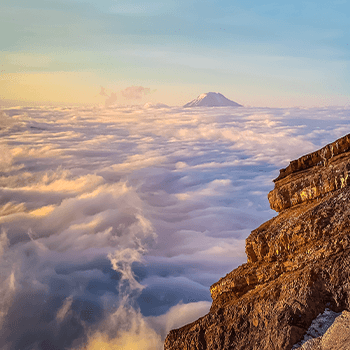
[212, 99]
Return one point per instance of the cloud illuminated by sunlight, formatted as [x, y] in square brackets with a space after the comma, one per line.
[145, 338]
[43, 211]
[116, 221]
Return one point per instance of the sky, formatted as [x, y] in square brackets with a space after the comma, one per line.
[115, 221]
[265, 54]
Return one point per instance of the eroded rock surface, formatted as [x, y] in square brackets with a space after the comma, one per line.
[298, 263]
[312, 176]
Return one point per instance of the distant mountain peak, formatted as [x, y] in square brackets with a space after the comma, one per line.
[211, 99]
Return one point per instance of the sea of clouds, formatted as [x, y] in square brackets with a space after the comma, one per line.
[116, 221]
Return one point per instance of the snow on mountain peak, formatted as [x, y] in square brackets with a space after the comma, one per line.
[211, 99]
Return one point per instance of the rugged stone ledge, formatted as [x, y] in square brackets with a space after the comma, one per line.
[298, 264]
[312, 176]
[270, 303]
[317, 158]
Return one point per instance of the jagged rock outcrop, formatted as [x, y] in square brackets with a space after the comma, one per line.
[298, 263]
[312, 175]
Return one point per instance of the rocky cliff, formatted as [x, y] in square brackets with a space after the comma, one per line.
[298, 263]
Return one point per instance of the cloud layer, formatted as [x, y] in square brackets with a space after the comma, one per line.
[115, 222]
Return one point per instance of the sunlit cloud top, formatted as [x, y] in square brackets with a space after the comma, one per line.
[115, 221]
[271, 54]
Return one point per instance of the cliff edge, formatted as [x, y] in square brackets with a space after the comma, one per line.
[298, 263]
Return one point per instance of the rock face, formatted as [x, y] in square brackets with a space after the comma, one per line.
[211, 99]
[298, 263]
[313, 175]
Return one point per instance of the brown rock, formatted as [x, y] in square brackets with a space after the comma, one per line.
[320, 157]
[297, 263]
[312, 176]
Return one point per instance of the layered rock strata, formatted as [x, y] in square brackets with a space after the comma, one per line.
[298, 263]
[312, 175]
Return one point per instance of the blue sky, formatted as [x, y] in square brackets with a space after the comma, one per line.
[264, 54]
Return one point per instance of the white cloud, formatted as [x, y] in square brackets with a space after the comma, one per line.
[63, 311]
[178, 316]
[6, 159]
[114, 215]
[139, 161]
[6, 122]
[133, 333]
[4, 242]
[135, 92]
